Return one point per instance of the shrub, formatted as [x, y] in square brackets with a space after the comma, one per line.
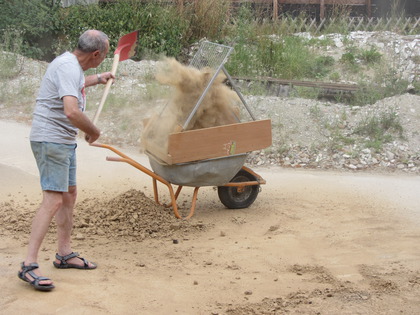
[36, 21]
[161, 29]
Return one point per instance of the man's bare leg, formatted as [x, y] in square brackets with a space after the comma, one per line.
[51, 202]
[64, 220]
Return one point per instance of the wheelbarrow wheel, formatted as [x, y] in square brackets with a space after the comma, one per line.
[239, 197]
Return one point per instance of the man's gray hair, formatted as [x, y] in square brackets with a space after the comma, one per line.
[92, 40]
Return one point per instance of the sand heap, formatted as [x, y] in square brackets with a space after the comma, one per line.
[16, 218]
[130, 214]
[219, 106]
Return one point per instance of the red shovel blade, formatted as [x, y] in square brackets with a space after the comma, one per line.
[127, 44]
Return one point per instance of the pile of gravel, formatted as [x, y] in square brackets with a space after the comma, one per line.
[15, 218]
[312, 134]
[130, 214]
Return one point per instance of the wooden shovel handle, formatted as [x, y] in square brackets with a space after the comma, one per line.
[107, 88]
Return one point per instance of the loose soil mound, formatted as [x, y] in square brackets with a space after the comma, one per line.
[130, 214]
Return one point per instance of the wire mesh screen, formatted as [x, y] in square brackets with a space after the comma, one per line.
[210, 55]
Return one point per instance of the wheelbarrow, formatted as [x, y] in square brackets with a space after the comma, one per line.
[237, 191]
[212, 156]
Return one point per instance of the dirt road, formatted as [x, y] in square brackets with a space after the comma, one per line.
[313, 242]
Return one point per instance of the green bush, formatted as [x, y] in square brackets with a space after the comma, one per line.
[46, 29]
[36, 21]
[161, 29]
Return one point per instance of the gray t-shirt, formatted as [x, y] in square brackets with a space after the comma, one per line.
[64, 77]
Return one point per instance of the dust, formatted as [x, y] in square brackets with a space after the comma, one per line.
[218, 107]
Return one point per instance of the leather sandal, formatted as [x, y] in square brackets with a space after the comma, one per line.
[64, 265]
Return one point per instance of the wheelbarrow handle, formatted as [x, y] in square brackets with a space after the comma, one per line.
[114, 159]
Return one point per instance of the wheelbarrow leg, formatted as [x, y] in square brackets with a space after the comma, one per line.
[174, 197]
[178, 191]
[193, 203]
[155, 191]
[156, 194]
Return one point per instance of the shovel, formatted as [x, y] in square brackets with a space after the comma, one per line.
[125, 49]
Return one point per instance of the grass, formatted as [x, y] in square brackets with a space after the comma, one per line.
[370, 56]
[379, 129]
[10, 61]
[11, 65]
[14, 92]
[287, 57]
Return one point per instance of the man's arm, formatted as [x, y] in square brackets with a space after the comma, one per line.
[100, 78]
[79, 119]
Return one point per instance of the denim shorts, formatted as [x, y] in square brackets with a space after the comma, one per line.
[56, 164]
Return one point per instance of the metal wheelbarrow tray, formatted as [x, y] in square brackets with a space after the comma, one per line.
[209, 156]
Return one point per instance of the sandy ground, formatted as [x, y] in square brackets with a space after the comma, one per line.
[313, 242]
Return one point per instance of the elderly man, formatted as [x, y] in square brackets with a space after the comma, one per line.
[58, 115]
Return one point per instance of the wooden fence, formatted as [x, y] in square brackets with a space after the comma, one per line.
[367, 8]
[276, 5]
[409, 26]
[406, 25]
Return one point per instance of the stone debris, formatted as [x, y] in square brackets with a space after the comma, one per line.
[322, 135]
